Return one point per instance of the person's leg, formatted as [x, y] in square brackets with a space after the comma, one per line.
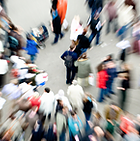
[101, 92]
[115, 24]
[97, 38]
[32, 58]
[62, 136]
[73, 71]
[91, 37]
[108, 26]
[56, 38]
[49, 116]
[68, 75]
[61, 35]
[123, 99]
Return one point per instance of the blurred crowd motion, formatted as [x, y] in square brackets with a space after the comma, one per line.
[72, 115]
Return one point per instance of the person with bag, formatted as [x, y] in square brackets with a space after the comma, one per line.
[84, 68]
[69, 57]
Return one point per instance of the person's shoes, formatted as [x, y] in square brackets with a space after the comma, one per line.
[61, 36]
[109, 96]
[53, 43]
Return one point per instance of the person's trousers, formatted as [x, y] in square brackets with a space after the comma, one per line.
[62, 137]
[114, 22]
[123, 99]
[101, 95]
[57, 37]
[93, 34]
[33, 58]
[2, 80]
[109, 88]
[70, 74]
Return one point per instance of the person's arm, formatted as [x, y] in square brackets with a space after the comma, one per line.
[63, 55]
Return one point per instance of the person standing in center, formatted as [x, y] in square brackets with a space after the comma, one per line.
[69, 57]
[84, 68]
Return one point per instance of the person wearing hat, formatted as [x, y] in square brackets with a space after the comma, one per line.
[61, 96]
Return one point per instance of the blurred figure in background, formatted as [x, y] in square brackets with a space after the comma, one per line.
[61, 123]
[47, 102]
[56, 24]
[112, 74]
[112, 16]
[125, 85]
[75, 125]
[3, 70]
[102, 78]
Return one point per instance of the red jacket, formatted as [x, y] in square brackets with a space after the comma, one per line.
[102, 77]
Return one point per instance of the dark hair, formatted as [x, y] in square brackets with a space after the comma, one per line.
[72, 47]
[28, 36]
[72, 113]
[47, 90]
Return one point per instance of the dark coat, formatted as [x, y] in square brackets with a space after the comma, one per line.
[57, 25]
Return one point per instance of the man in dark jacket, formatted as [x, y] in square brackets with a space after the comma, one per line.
[69, 57]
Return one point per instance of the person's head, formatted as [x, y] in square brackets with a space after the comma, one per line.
[14, 81]
[28, 61]
[65, 110]
[28, 36]
[60, 102]
[83, 56]
[73, 114]
[72, 47]
[61, 92]
[12, 26]
[74, 82]
[47, 90]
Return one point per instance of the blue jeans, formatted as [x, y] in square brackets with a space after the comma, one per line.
[109, 88]
[101, 95]
[87, 116]
[62, 137]
[97, 34]
[33, 57]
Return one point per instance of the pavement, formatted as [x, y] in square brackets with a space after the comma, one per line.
[31, 13]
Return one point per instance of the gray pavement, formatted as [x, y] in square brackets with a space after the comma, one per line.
[30, 13]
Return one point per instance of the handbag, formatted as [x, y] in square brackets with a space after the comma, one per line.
[91, 79]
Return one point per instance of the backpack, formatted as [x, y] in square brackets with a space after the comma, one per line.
[13, 43]
[68, 60]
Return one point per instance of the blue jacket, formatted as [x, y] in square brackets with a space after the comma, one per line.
[74, 124]
[31, 47]
[73, 54]
[112, 72]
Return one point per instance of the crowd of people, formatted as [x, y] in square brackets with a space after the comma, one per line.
[26, 114]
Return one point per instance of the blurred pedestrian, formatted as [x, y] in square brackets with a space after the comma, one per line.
[112, 74]
[3, 70]
[84, 68]
[112, 16]
[31, 47]
[56, 23]
[61, 123]
[95, 26]
[102, 78]
[83, 43]
[124, 87]
[75, 125]
[69, 57]
[61, 96]
[47, 102]
[75, 93]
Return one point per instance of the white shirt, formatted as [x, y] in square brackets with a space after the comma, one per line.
[3, 66]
